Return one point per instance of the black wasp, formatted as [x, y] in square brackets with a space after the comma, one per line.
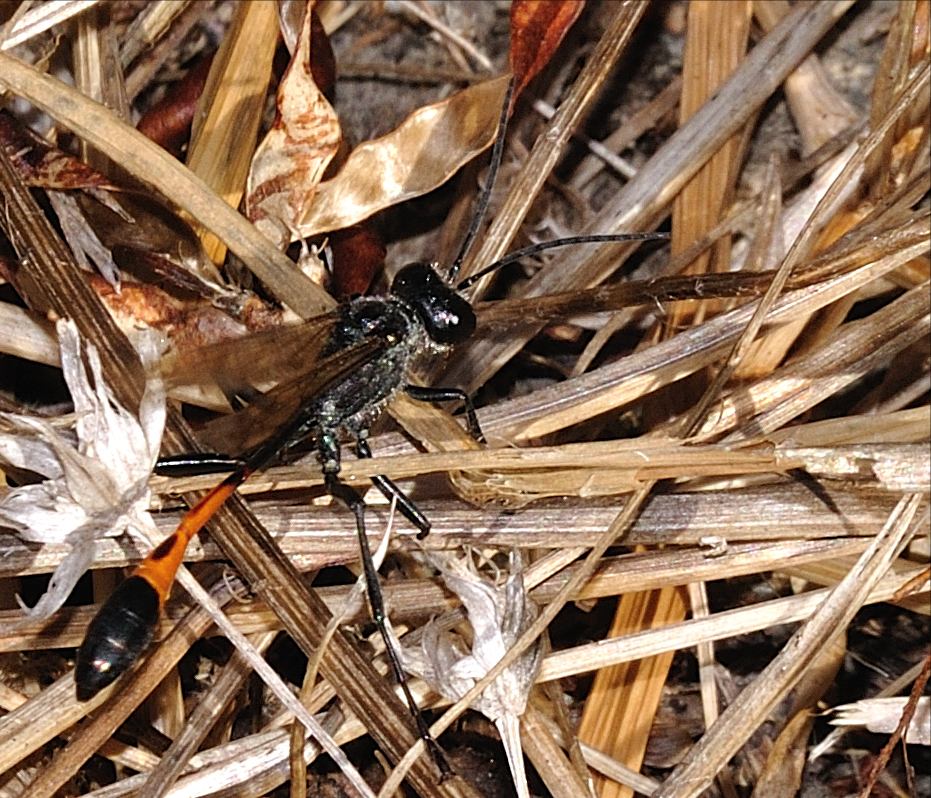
[354, 360]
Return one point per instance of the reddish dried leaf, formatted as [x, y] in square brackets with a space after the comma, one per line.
[155, 268]
[537, 29]
[168, 122]
[291, 160]
[422, 153]
[358, 252]
[187, 325]
[44, 166]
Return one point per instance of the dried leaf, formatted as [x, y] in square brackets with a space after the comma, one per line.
[781, 774]
[537, 30]
[322, 58]
[84, 243]
[290, 22]
[416, 157]
[185, 325]
[96, 480]
[168, 122]
[139, 224]
[498, 616]
[42, 165]
[291, 160]
[358, 253]
[882, 715]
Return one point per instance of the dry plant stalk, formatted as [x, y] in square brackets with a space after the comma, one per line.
[623, 700]
[230, 109]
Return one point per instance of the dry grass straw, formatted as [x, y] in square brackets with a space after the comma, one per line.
[623, 700]
[729, 445]
[230, 109]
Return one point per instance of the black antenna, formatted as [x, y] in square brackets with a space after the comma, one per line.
[496, 153]
[533, 249]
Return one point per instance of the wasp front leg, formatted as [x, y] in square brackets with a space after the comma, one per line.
[390, 490]
[424, 394]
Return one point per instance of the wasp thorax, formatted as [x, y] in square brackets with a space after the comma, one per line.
[447, 317]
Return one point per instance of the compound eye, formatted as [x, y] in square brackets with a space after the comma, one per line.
[446, 316]
[415, 279]
[448, 319]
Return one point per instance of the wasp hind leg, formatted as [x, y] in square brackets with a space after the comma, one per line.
[330, 457]
[196, 464]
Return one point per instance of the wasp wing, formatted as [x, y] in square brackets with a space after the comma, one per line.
[259, 359]
[506, 313]
[245, 429]
[286, 361]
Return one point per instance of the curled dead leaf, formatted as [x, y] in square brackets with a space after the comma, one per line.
[168, 122]
[40, 164]
[294, 154]
[537, 29]
[140, 226]
[358, 252]
[422, 153]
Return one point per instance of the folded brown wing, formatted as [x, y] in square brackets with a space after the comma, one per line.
[258, 359]
[286, 358]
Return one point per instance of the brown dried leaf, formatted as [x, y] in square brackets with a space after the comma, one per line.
[537, 29]
[290, 22]
[291, 159]
[782, 771]
[358, 252]
[186, 326]
[42, 165]
[168, 122]
[322, 58]
[144, 226]
[423, 152]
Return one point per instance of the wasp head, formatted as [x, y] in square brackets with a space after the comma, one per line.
[447, 317]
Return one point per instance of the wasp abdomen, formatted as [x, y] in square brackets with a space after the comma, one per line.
[117, 636]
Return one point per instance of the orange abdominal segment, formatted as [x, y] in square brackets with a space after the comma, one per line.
[161, 565]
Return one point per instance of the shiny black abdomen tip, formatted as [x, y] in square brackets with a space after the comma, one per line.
[117, 636]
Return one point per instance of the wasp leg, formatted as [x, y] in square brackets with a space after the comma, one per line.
[195, 464]
[330, 456]
[390, 491]
[422, 394]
